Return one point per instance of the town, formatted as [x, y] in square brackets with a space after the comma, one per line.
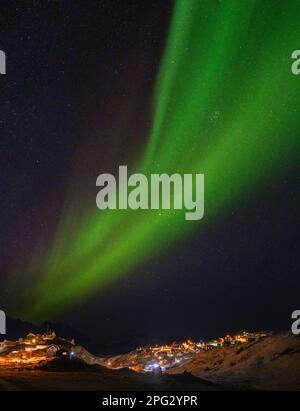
[36, 349]
[159, 358]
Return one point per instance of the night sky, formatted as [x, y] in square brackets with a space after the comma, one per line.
[77, 101]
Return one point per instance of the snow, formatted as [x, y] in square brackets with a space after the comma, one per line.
[270, 363]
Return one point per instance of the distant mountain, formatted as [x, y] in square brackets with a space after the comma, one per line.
[16, 328]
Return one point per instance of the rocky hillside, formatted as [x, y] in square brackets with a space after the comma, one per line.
[270, 363]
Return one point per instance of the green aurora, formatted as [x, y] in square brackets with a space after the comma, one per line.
[225, 104]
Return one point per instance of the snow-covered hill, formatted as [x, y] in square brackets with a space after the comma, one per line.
[270, 363]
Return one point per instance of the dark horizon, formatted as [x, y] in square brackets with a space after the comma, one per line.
[17, 328]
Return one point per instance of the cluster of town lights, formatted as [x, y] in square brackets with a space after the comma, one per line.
[34, 349]
[160, 358]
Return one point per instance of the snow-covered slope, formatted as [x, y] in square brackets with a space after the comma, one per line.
[271, 363]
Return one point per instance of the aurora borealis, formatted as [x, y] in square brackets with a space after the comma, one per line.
[224, 104]
[252, 135]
